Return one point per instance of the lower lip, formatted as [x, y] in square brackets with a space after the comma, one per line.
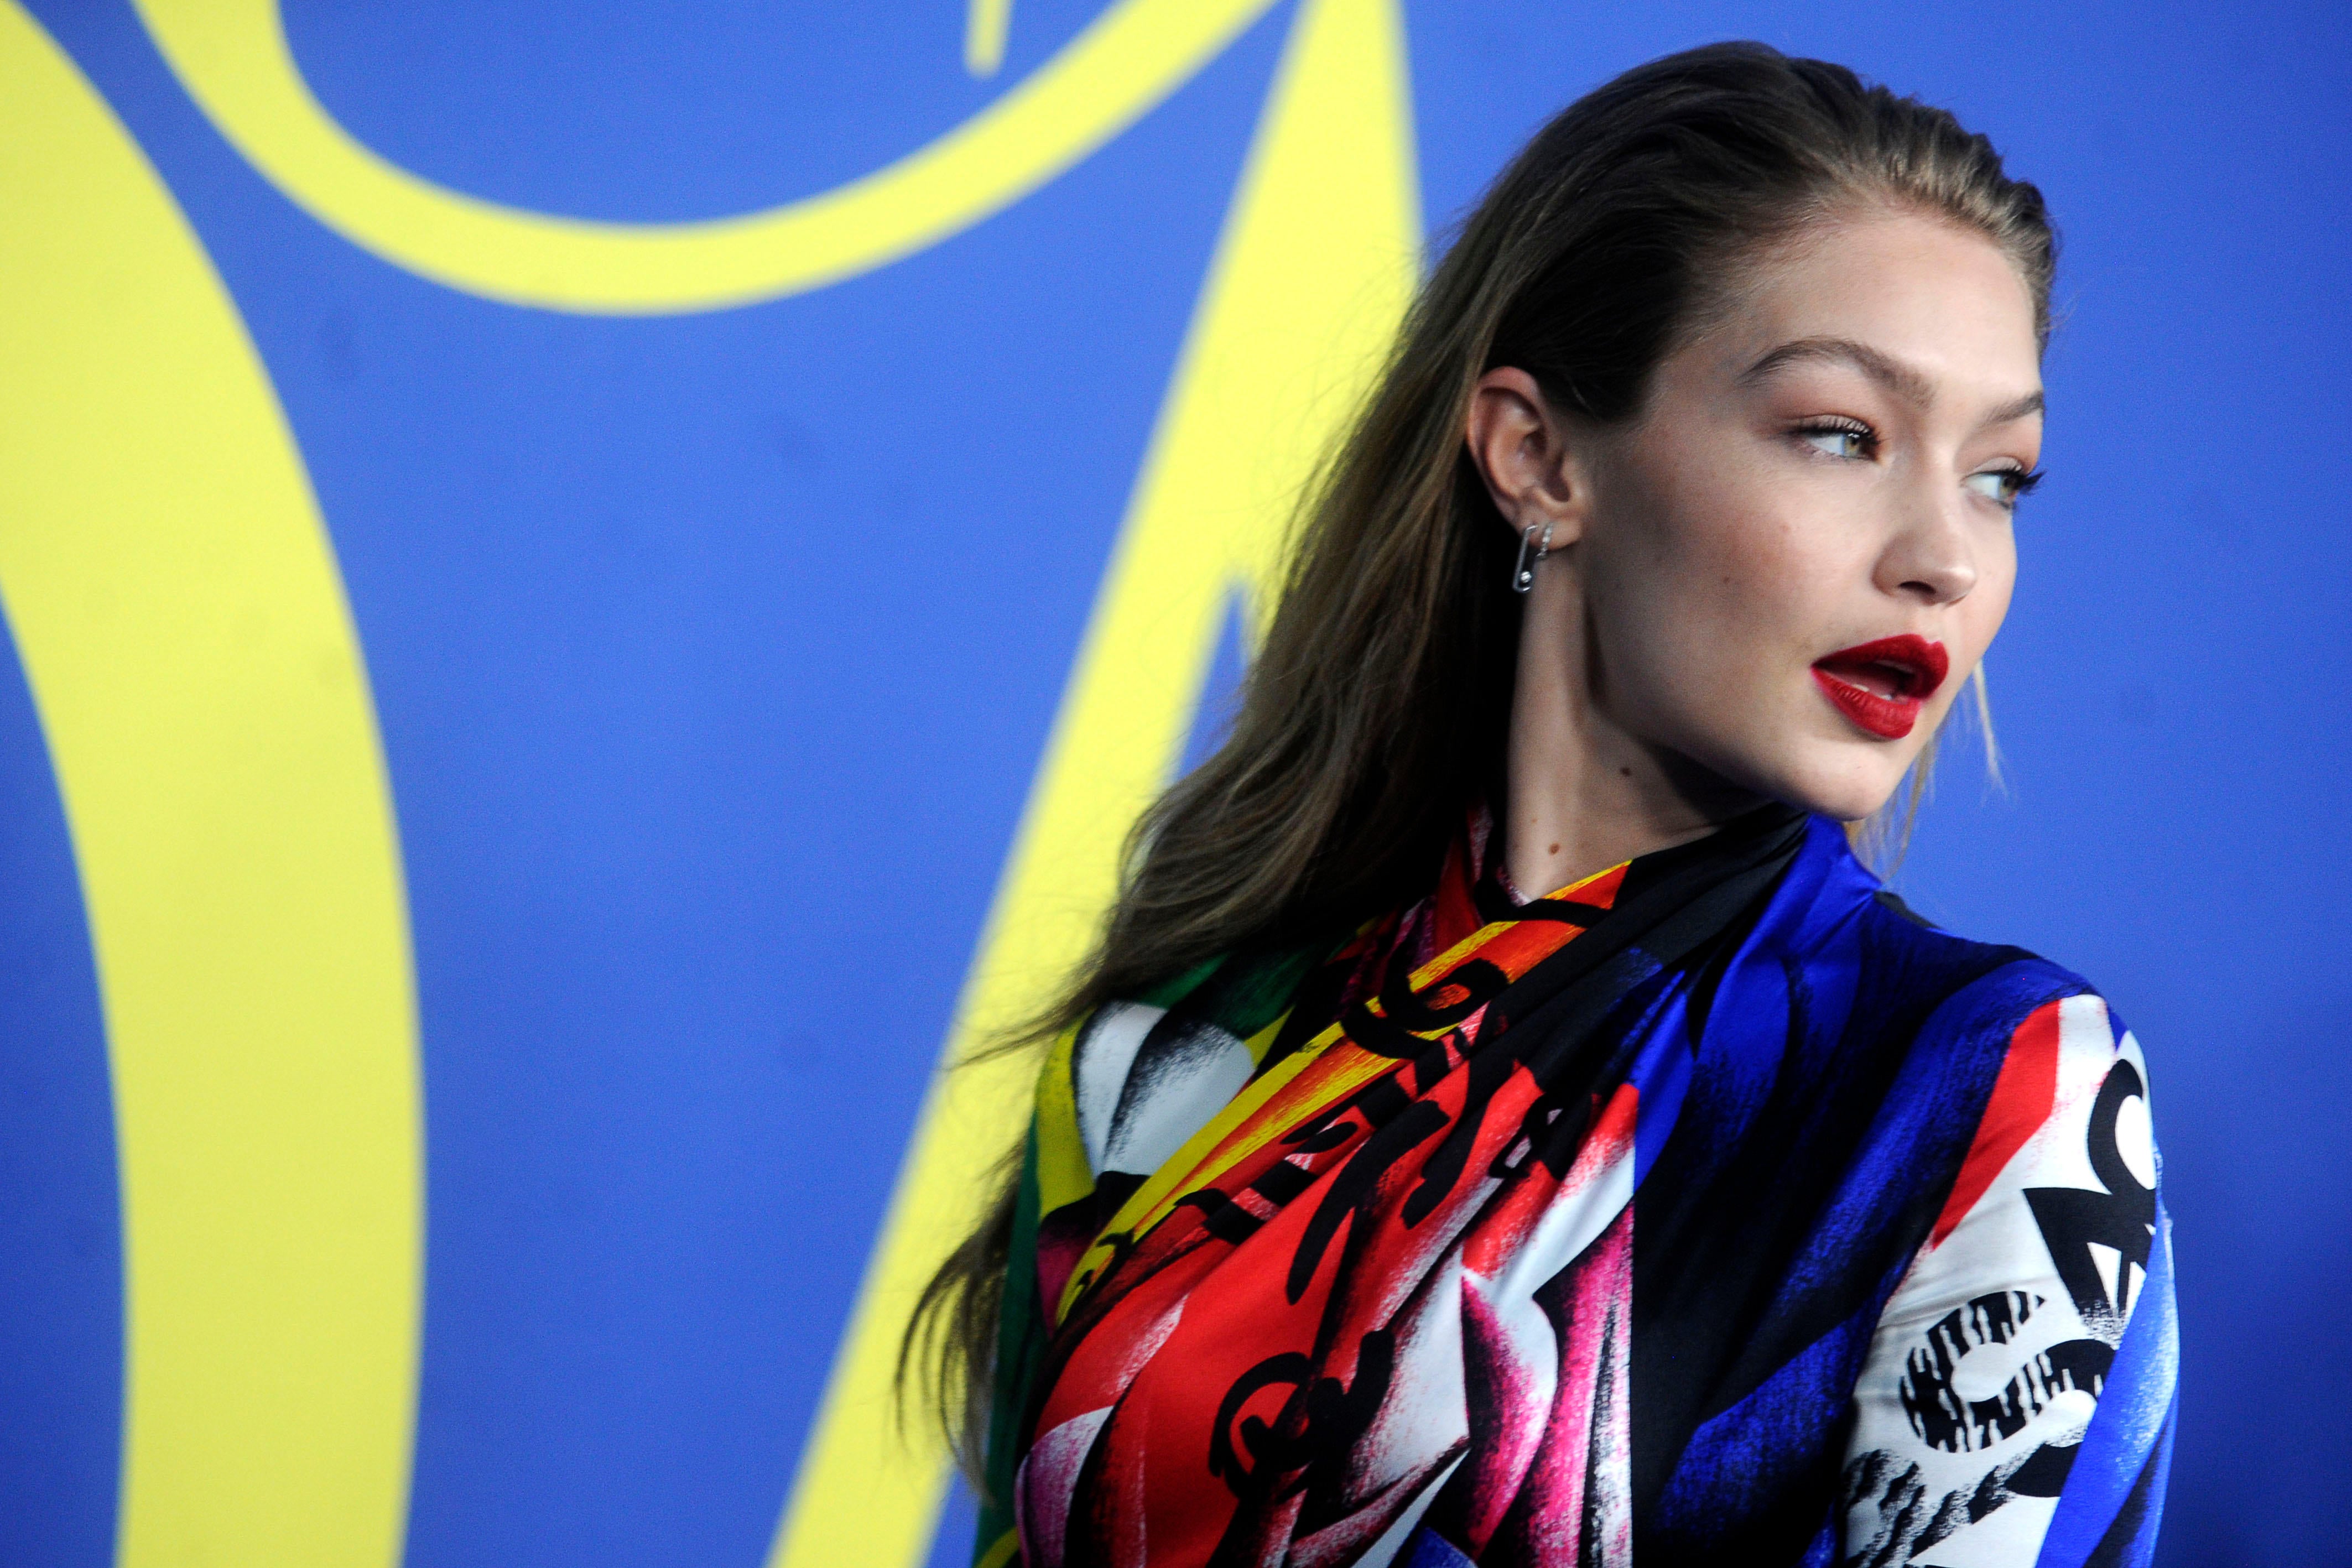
[1889, 718]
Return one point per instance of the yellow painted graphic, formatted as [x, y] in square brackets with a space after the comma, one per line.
[1317, 259]
[182, 623]
[986, 27]
[227, 1175]
[232, 56]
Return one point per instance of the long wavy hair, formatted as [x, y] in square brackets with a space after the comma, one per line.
[1377, 709]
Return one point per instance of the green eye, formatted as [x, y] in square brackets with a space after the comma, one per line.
[2002, 487]
[1838, 440]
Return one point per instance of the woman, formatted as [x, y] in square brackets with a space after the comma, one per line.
[1708, 1208]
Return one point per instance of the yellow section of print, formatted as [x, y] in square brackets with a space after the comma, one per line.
[182, 624]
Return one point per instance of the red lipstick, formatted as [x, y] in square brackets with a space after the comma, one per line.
[1881, 685]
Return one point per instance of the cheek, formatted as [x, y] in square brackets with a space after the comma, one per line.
[1981, 614]
[1999, 582]
[1728, 587]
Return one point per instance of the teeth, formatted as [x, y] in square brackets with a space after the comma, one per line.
[1898, 678]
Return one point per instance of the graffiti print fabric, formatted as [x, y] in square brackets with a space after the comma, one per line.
[1685, 1213]
[2049, 1245]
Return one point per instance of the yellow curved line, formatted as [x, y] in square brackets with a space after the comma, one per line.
[985, 27]
[183, 625]
[233, 57]
[1313, 271]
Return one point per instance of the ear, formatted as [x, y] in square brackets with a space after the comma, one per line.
[1524, 451]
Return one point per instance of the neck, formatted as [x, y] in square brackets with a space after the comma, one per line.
[1585, 792]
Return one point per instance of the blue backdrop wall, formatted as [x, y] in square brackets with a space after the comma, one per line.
[714, 634]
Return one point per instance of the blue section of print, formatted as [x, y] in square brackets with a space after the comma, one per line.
[2134, 1421]
[1772, 1444]
[1427, 1549]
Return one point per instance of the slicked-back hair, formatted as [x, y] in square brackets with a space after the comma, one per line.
[1378, 707]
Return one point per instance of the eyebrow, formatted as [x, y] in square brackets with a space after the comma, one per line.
[1902, 379]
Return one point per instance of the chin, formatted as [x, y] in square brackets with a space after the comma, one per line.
[1840, 786]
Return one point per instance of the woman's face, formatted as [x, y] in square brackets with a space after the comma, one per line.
[1794, 559]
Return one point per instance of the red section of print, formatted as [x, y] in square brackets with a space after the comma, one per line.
[2021, 1099]
[1601, 890]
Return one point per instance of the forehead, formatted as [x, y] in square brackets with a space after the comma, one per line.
[1918, 290]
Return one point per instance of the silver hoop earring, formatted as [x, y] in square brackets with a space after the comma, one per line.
[1523, 576]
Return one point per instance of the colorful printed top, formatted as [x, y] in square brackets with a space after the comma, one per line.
[1714, 1210]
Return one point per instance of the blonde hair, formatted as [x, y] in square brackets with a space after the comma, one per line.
[1378, 707]
[1884, 838]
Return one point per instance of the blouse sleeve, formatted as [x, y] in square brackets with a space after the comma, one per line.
[2016, 1407]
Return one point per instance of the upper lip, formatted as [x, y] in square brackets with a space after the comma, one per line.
[1910, 666]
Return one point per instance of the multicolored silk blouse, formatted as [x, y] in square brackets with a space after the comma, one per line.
[1712, 1211]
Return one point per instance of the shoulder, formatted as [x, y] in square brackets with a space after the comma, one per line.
[1889, 976]
[1952, 1038]
[1973, 994]
[2059, 1143]
[2050, 1037]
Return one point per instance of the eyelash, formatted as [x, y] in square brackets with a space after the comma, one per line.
[2020, 483]
[1840, 427]
[2017, 483]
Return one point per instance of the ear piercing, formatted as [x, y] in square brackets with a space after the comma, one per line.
[1532, 551]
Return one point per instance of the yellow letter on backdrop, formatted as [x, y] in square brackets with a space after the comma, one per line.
[1313, 271]
[233, 57]
[183, 627]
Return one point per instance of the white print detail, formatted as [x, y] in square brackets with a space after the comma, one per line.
[1182, 1075]
[1047, 1480]
[1986, 1364]
[1099, 1061]
[1385, 1550]
[1591, 1196]
[1415, 1442]
[1145, 1083]
[2136, 1139]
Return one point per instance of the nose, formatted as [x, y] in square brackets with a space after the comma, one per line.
[1931, 557]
